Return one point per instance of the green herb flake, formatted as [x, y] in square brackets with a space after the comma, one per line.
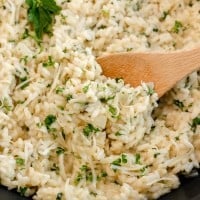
[86, 88]
[156, 155]
[164, 15]
[50, 62]
[150, 91]
[20, 161]
[117, 162]
[124, 158]
[104, 174]
[119, 79]
[155, 30]
[195, 123]
[78, 179]
[41, 14]
[69, 97]
[102, 27]
[25, 34]
[179, 104]
[84, 168]
[49, 120]
[59, 90]
[55, 168]
[59, 196]
[89, 129]
[177, 26]
[4, 103]
[177, 138]
[22, 191]
[113, 111]
[137, 158]
[118, 133]
[60, 151]
[22, 80]
[93, 193]
[105, 100]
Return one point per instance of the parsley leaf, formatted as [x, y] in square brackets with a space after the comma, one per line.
[89, 129]
[41, 15]
[50, 119]
[195, 123]
[22, 191]
[60, 151]
[20, 161]
[178, 103]
[177, 26]
[59, 196]
[137, 158]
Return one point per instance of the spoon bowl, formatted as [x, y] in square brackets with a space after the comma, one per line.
[163, 69]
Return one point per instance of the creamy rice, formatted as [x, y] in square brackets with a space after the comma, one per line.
[68, 132]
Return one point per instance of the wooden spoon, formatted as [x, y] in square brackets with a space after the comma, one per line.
[163, 69]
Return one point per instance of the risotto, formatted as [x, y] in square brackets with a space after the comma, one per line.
[67, 131]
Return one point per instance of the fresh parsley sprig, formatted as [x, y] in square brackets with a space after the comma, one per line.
[41, 15]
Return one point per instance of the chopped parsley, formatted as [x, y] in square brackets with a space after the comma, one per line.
[55, 168]
[164, 15]
[86, 88]
[5, 105]
[179, 104]
[59, 196]
[78, 179]
[20, 161]
[49, 120]
[104, 174]
[124, 158]
[89, 129]
[137, 158]
[50, 62]
[22, 191]
[22, 80]
[118, 133]
[69, 97]
[41, 15]
[156, 155]
[195, 123]
[117, 162]
[155, 29]
[59, 90]
[113, 111]
[119, 79]
[60, 151]
[177, 26]
[150, 91]
[25, 34]
[102, 27]
[105, 100]
[85, 173]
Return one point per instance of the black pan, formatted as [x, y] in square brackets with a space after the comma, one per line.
[189, 190]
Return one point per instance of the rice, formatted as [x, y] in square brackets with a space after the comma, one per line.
[67, 131]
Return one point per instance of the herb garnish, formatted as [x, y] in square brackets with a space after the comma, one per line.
[50, 119]
[22, 191]
[41, 15]
[59, 196]
[177, 26]
[60, 151]
[89, 129]
[20, 161]
[195, 123]
[178, 103]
